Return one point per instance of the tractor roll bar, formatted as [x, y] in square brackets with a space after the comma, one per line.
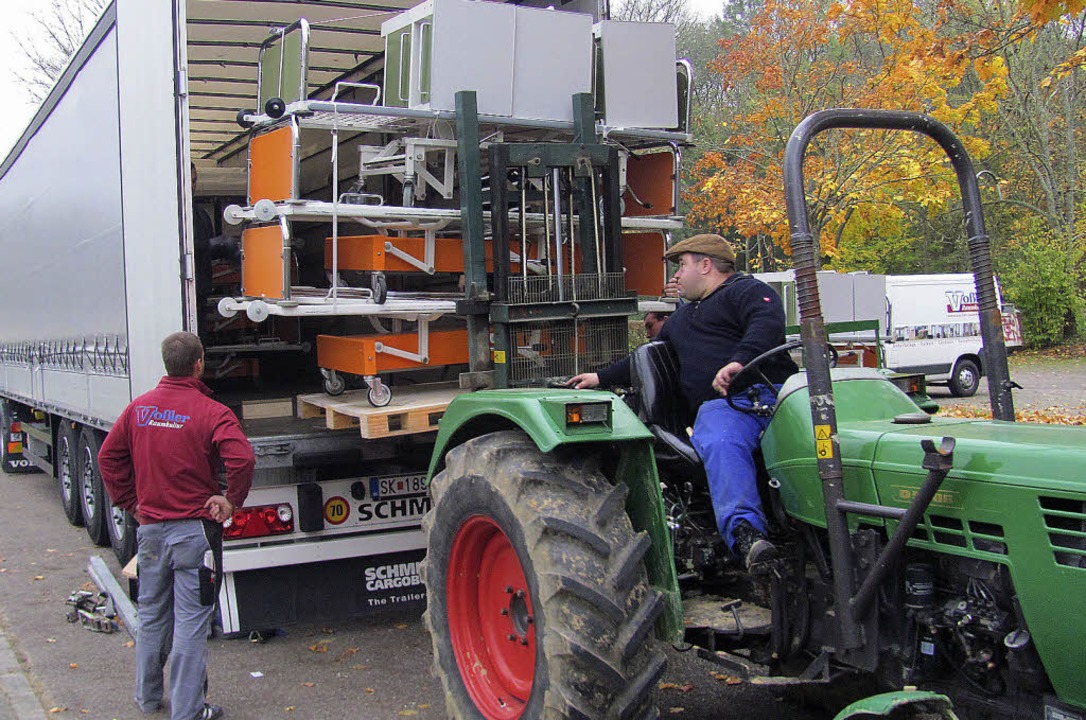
[813, 332]
[995, 350]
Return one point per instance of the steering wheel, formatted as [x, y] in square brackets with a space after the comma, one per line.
[749, 377]
[746, 383]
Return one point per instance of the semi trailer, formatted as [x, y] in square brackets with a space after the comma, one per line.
[286, 180]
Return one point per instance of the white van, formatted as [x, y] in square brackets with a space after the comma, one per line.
[926, 323]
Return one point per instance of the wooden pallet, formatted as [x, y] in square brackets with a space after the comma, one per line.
[412, 410]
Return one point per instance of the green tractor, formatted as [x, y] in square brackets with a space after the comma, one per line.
[572, 537]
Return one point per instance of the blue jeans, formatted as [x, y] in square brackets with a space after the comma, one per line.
[726, 440]
[174, 623]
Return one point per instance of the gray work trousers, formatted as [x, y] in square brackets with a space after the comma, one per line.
[174, 622]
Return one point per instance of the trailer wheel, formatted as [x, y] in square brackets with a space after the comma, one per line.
[68, 473]
[92, 496]
[537, 598]
[965, 378]
[121, 527]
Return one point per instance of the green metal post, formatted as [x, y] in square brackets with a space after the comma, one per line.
[476, 294]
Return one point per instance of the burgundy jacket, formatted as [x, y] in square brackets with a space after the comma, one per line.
[160, 457]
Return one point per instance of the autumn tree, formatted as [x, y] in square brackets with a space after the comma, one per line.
[805, 55]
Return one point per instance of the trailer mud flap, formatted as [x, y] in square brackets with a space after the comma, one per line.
[12, 417]
[325, 591]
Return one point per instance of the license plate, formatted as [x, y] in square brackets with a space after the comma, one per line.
[389, 487]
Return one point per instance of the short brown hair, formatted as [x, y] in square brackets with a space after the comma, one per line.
[180, 351]
[721, 266]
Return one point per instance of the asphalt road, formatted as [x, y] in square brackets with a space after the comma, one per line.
[378, 668]
[375, 669]
[1047, 385]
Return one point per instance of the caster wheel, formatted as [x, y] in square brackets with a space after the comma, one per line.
[257, 311]
[380, 397]
[335, 384]
[379, 285]
[275, 107]
[243, 120]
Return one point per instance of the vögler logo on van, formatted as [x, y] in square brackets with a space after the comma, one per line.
[958, 301]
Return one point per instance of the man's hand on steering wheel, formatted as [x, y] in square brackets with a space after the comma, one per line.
[724, 377]
[584, 381]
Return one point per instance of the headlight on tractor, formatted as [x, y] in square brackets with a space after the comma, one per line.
[588, 413]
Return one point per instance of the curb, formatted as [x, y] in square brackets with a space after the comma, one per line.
[15, 691]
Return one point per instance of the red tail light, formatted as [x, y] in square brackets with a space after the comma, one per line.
[259, 521]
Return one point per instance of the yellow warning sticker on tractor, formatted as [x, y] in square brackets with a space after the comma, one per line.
[824, 448]
[822, 432]
[336, 510]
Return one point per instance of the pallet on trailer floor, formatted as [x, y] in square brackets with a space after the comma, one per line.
[412, 410]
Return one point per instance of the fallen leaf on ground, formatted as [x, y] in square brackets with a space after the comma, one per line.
[727, 679]
[73, 666]
[675, 686]
[55, 710]
[408, 712]
[369, 691]
[308, 684]
[321, 646]
[346, 654]
[401, 626]
[360, 667]
[39, 577]
[676, 710]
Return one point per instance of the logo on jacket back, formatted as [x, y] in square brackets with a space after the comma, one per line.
[151, 416]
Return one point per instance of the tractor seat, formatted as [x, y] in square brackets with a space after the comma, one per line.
[654, 372]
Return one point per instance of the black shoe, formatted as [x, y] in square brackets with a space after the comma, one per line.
[210, 712]
[752, 546]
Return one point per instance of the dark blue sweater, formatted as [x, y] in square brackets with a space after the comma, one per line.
[738, 321]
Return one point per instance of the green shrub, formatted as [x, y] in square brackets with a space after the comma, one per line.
[1042, 280]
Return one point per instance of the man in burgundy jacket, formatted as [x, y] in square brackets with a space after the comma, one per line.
[159, 462]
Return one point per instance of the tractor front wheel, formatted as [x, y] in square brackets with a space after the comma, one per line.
[538, 603]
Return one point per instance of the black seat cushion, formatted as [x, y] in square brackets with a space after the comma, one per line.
[654, 373]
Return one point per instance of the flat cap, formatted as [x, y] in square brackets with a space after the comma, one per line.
[712, 245]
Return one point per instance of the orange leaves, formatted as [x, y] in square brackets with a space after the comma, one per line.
[1042, 11]
[805, 55]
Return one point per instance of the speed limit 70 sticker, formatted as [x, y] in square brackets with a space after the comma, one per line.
[336, 510]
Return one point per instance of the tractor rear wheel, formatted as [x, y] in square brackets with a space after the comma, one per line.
[538, 604]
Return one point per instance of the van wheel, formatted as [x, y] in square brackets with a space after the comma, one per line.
[538, 603]
[68, 473]
[92, 496]
[965, 379]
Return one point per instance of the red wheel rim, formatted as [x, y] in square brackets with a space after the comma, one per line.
[491, 622]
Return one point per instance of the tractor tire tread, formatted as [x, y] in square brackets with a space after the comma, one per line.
[592, 593]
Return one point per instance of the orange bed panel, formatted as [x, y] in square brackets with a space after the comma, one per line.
[367, 252]
[643, 256]
[652, 177]
[262, 262]
[357, 354]
[271, 166]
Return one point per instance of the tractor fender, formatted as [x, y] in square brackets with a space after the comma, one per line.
[541, 413]
[930, 704]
